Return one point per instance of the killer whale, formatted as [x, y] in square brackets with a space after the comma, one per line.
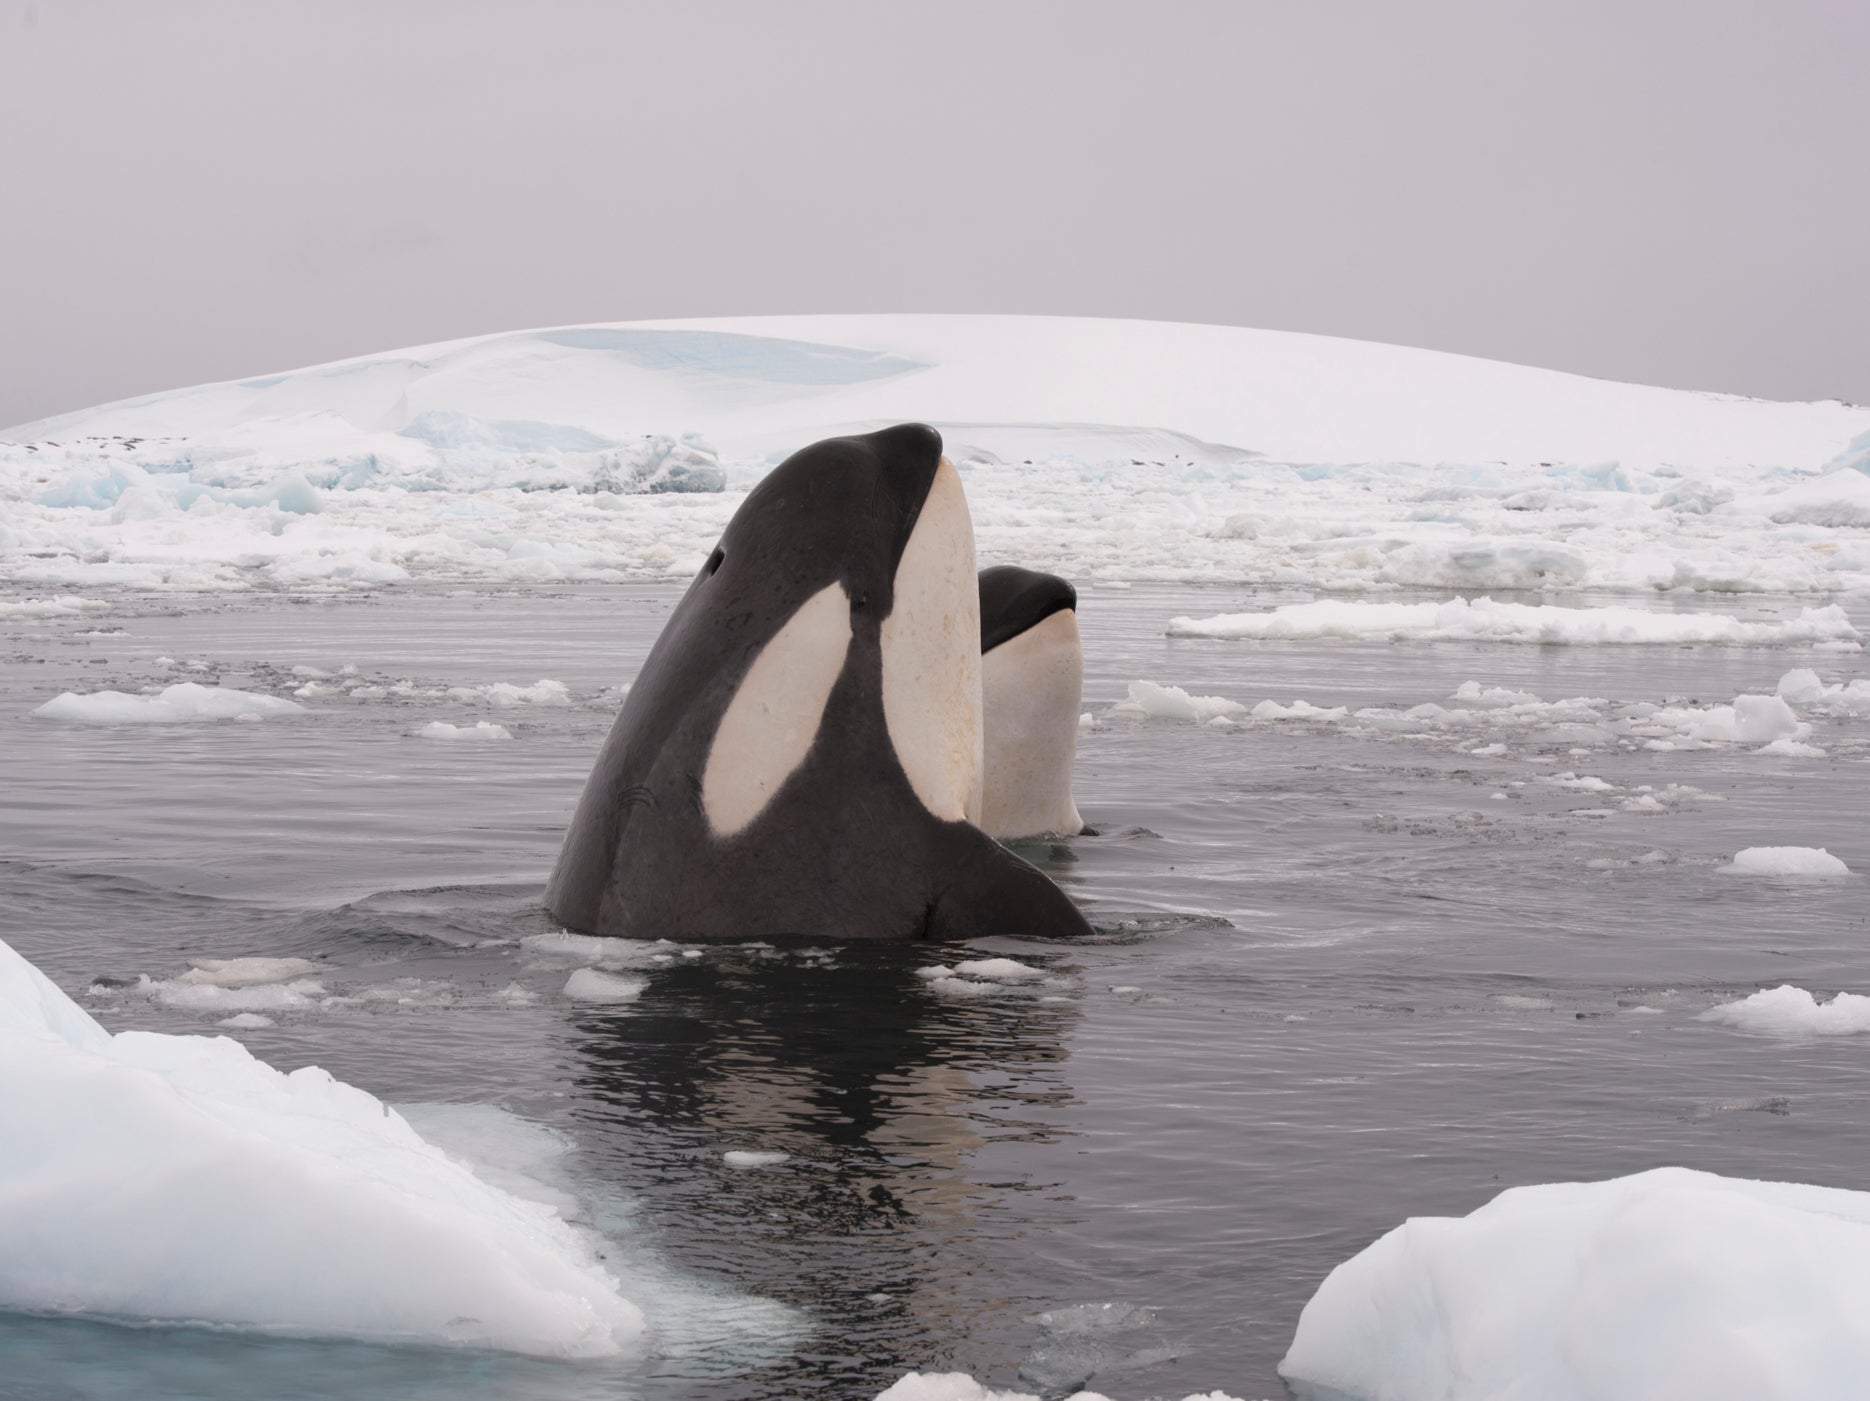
[801, 753]
[1032, 682]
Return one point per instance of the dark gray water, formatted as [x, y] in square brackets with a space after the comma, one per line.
[1338, 984]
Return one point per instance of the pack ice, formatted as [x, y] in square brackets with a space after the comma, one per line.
[1099, 449]
[147, 1177]
[1655, 1287]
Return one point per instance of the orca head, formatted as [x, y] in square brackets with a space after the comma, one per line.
[839, 511]
[852, 545]
[1013, 600]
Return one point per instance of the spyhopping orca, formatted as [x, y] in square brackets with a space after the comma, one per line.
[801, 753]
[1032, 681]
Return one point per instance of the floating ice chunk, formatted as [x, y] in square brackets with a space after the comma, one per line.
[1492, 697]
[246, 1021]
[178, 704]
[1792, 1011]
[63, 607]
[1298, 710]
[563, 947]
[505, 694]
[176, 1178]
[299, 995]
[998, 970]
[1787, 861]
[480, 731]
[1801, 686]
[1665, 1284]
[962, 987]
[592, 985]
[1792, 749]
[1087, 721]
[1586, 783]
[959, 1386]
[1173, 703]
[750, 1158]
[245, 972]
[1483, 620]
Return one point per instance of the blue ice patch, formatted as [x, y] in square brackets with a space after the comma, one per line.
[738, 356]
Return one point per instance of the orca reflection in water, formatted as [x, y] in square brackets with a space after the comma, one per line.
[801, 753]
[1032, 683]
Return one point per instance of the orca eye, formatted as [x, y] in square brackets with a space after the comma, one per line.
[714, 562]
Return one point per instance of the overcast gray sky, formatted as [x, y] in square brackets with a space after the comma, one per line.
[1671, 191]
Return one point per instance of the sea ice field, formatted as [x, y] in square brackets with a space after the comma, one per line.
[1475, 758]
[1380, 959]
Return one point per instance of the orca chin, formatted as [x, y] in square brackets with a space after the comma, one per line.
[803, 750]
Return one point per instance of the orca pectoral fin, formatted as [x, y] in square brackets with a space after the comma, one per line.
[992, 891]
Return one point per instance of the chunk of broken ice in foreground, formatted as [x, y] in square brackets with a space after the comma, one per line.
[153, 1177]
[1665, 1285]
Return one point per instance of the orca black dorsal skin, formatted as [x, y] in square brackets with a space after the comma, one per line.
[801, 753]
[1014, 599]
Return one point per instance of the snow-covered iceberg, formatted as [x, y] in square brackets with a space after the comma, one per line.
[148, 1177]
[1098, 448]
[1655, 1287]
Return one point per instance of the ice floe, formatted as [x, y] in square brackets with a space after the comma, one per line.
[960, 1386]
[595, 985]
[1493, 715]
[480, 731]
[754, 1158]
[1666, 1284]
[177, 1178]
[1792, 1011]
[1146, 698]
[984, 977]
[1797, 861]
[1485, 620]
[181, 703]
[66, 607]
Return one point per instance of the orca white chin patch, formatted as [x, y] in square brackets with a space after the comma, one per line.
[773, 718]
[931, 656]
[1032, 685]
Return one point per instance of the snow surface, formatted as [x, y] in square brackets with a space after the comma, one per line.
[1104, 450]
[176, 1178]
[178, 704]
[1788, 861]
[1663, 1285]
[1792, 1011]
